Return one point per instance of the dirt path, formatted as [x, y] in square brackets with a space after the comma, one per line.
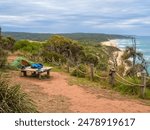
[56, 95]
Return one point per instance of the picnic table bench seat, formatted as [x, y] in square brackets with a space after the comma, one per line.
[36, 71]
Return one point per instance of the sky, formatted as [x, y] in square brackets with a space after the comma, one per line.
[130, 17]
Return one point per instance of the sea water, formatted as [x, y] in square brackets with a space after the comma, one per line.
[143, 45]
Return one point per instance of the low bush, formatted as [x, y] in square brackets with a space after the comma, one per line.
[7, 43]
[13, 100]
[27, 46]
[129, 89]
[79, 71]
[50, 56]
[102, 66]
[3, 58]
[148, 83]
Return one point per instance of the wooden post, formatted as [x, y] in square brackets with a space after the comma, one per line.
[143, 86]
[21, 73]
[48, 73]
[39, 75]
[112, 76]
[92, 71]
[24, 73]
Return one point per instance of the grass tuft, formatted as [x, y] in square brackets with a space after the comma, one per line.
[13, 100]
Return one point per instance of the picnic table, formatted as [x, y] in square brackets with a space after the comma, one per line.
[38, 72]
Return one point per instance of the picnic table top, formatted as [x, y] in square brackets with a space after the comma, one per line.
[38, 70]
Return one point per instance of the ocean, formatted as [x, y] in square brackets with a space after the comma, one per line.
[143, 45]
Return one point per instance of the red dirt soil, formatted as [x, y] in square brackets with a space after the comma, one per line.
[56, 95]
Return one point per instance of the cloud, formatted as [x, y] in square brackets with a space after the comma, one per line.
[75, 15]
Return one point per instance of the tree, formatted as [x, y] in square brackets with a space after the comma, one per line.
[138, 61]
[7, 43]
[66, 47]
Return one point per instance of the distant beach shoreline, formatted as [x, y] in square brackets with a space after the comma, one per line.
[113, 43]
[117, 54]
[142, 46]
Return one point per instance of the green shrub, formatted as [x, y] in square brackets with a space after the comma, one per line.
[3, 58]
[13, 100]
[91, 58]
[7, 43]
[27, 46]
[129, 89]
[147, 93]
[65, 47]
[79, 71]
[49, 56]
[102, 66]
[148, 83]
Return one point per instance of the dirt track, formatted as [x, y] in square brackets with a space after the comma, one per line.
[56, 95]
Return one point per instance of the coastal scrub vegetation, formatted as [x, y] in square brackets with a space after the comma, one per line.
[3, 58]
[80, 58]
[12, 98]
[7, 43]
[59, 50]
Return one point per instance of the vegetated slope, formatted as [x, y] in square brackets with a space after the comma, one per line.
[82, 37]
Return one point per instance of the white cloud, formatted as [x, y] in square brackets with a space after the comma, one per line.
[139, 21]
[90, 14]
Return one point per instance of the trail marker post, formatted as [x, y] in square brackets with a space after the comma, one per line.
[92, 71]
[112, 76]
[143, 86]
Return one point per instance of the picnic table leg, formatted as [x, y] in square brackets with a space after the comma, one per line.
[21, 73]
[24, 73]
[33, 74]
[39, 75]
[48, 72]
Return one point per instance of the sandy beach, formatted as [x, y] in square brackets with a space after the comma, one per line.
[117, 54]
[110, 43]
